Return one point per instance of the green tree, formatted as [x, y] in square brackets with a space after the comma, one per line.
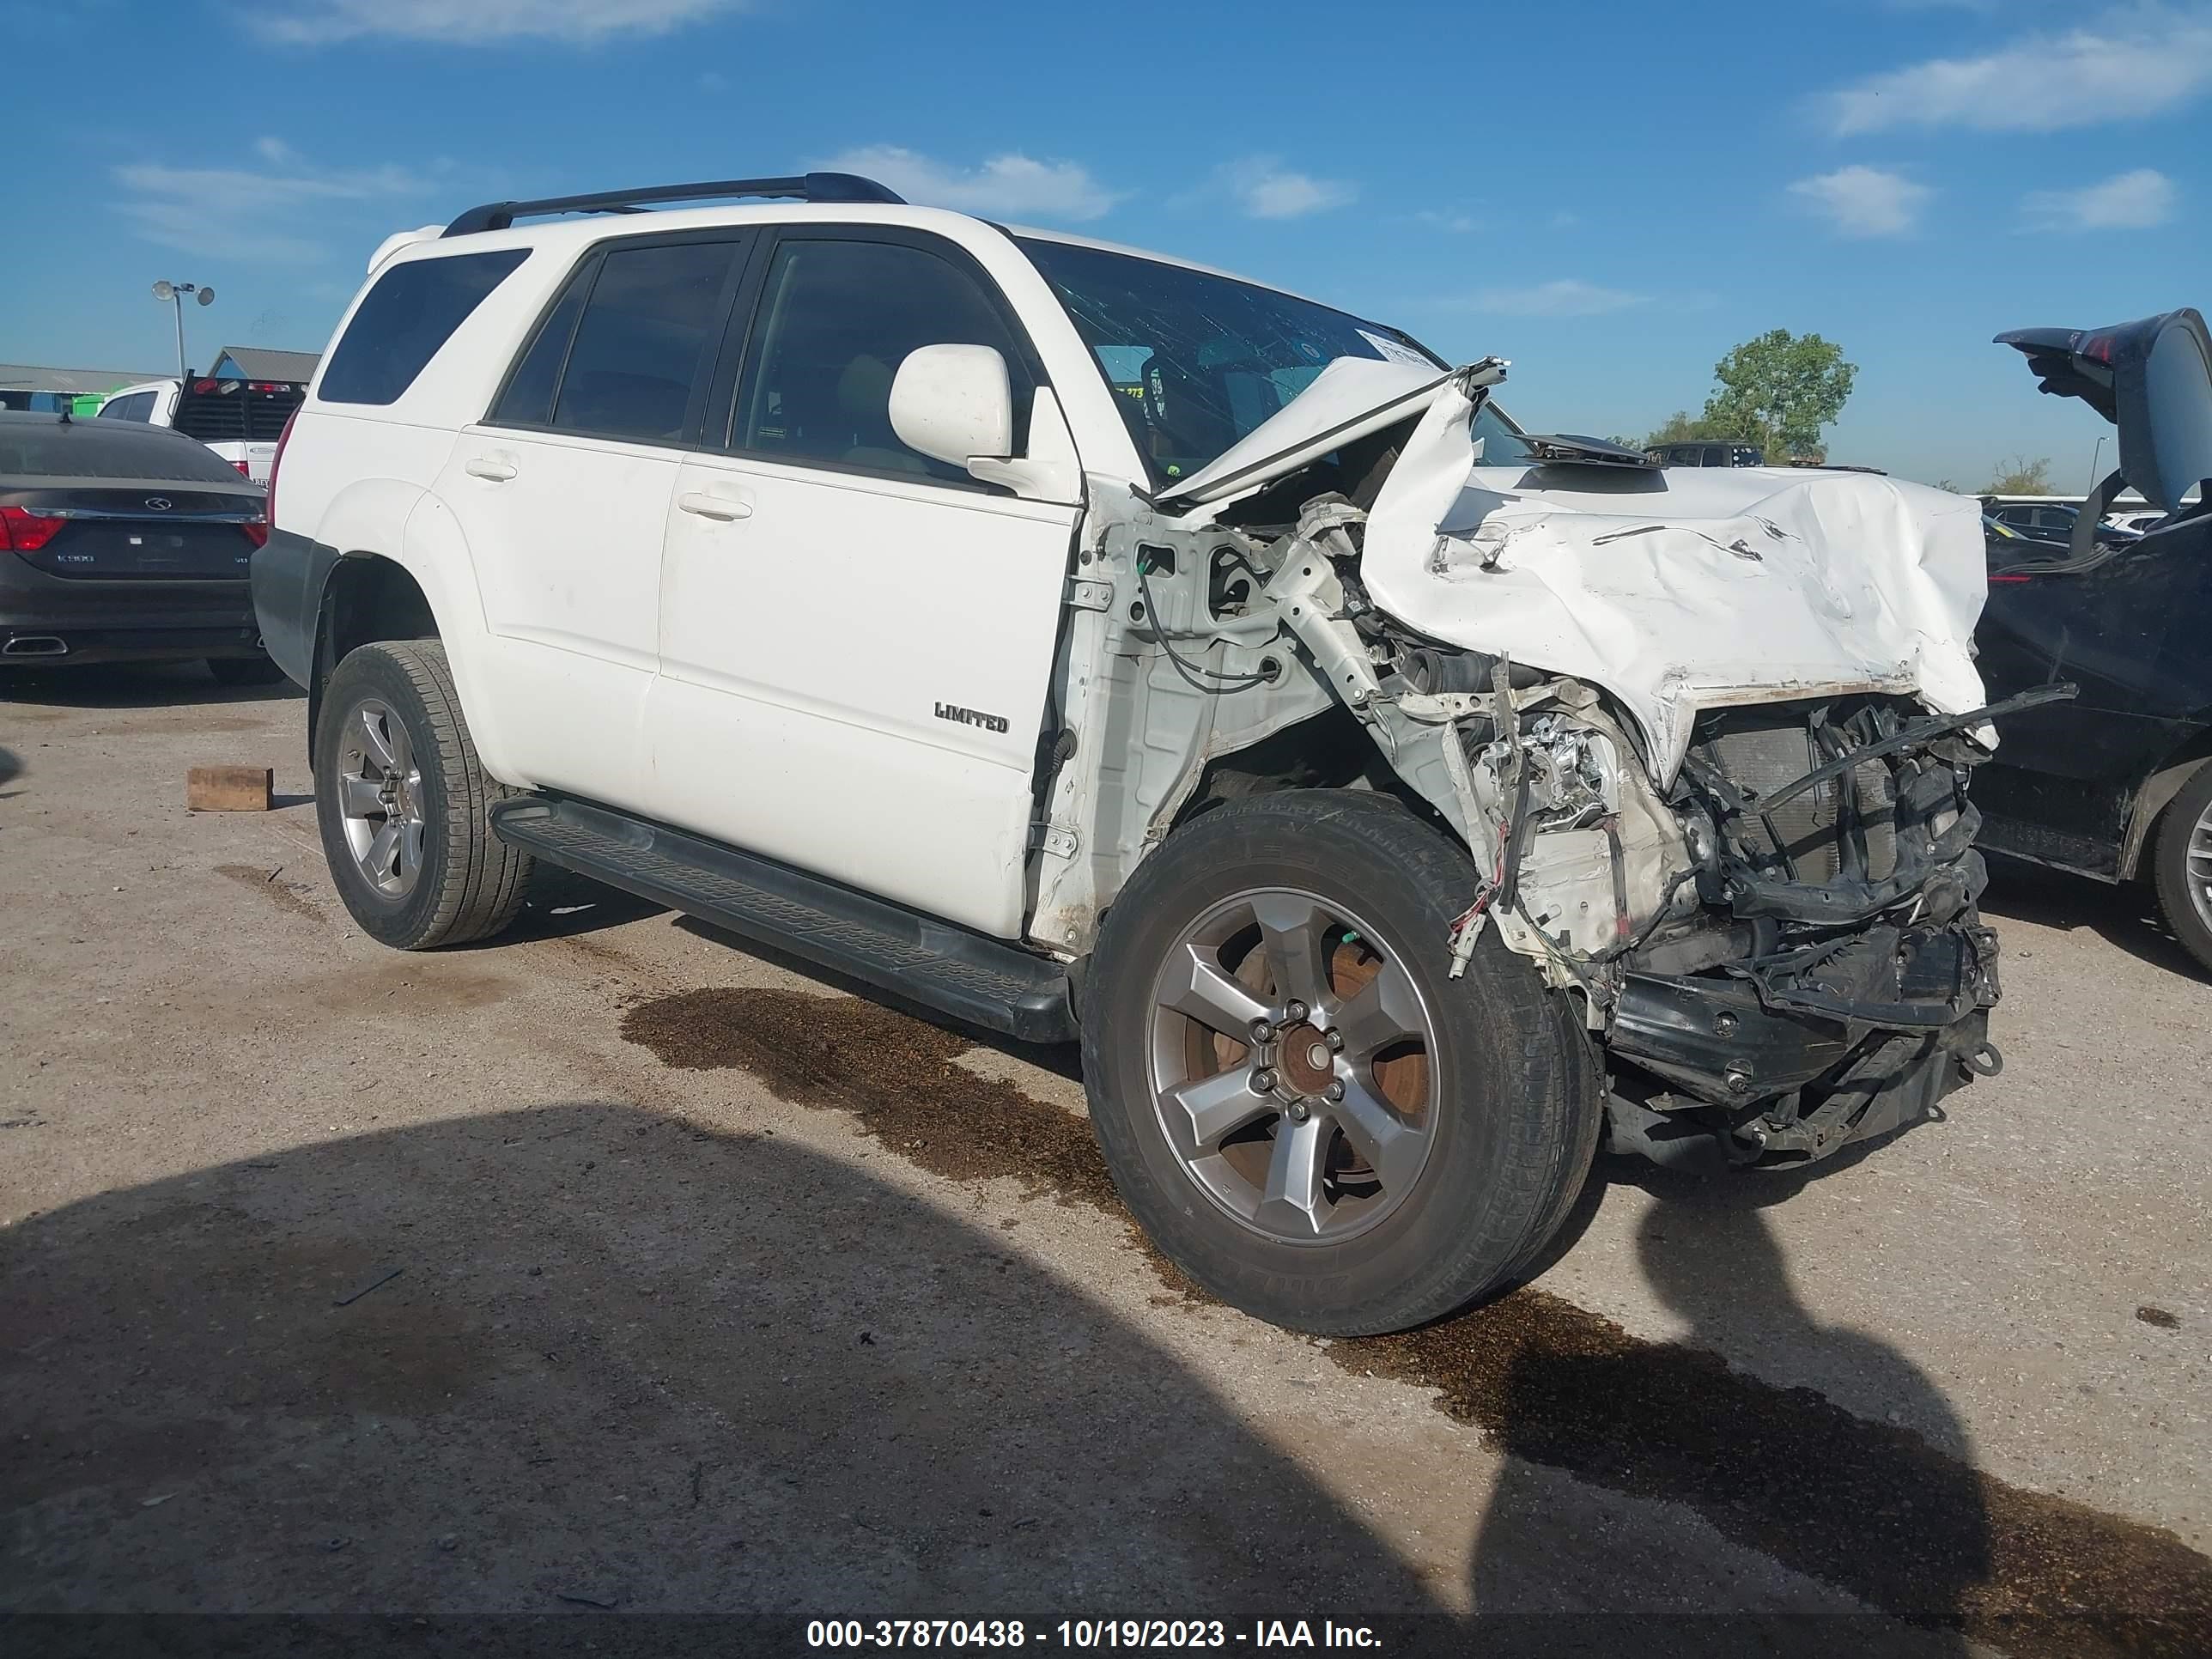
[1681, 426]
[2021, 477]
[1779, 390]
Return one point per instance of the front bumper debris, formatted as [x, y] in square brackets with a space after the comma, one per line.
[1837, 982]
[1864, 1043]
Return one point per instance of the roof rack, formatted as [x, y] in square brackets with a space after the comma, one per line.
[805, 187]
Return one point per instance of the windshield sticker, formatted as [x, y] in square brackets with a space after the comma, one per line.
[1395, 351]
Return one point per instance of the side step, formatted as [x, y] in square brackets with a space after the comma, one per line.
[984, 981]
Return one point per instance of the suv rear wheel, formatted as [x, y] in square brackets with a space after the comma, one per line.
[2181, 865]
[1301, 1108]
[403, 806]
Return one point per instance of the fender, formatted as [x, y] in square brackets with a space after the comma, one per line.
[410, 527]
[2155, 792]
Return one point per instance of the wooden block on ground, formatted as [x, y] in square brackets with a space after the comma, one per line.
[229, 788]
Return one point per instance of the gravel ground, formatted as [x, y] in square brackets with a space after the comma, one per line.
[613, 1270]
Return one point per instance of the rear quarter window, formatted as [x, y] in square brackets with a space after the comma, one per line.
[410, 311]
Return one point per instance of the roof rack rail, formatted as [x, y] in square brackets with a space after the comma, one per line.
[805, 187]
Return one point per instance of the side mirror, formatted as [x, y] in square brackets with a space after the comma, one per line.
[953, 403]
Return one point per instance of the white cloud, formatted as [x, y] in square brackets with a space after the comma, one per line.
[1010, 184]
[1450, 219]
[248, 213]
[2135, 62]
[475, 22]
[1865, 201]
[1263, 188]
[1565, 296]
[2127, 201]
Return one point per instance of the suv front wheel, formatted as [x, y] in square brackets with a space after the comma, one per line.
[404, 806]
[1301, 1108]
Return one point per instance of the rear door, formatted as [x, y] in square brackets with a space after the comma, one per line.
[855, 640]
[562, 493]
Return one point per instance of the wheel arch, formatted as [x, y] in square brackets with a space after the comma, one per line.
[1326, 750]
[2157, 791]
[417, 582]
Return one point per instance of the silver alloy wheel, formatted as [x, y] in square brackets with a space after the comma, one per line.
[1292, 1065]
[381, 798]
[2198, 862]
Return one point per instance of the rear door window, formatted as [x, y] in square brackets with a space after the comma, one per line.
[642, 353]
[409, 314]
[527, 400]
[138, 406]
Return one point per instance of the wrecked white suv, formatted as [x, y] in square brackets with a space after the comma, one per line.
[1081, 642]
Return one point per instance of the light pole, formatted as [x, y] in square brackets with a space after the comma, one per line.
[174, 294]
[2096, 455]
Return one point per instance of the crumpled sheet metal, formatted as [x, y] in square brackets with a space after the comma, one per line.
[1682, 590]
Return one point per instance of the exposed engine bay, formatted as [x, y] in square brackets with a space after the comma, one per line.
[1709, 748]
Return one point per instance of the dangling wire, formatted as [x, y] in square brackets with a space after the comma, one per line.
[1189, 671]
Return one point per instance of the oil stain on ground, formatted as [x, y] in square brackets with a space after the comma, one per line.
[900, 1078]
[1869, 1508]
[290, 897]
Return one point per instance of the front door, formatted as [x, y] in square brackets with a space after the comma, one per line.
[856, 640]
[563, 490]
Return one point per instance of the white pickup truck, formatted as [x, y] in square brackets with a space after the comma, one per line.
[238, 419]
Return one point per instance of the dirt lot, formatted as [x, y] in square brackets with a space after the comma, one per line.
[614, 1272]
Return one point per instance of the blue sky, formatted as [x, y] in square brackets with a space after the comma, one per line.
[1610, 194]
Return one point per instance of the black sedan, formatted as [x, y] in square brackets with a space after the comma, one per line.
[2117, 783]
[125, 544]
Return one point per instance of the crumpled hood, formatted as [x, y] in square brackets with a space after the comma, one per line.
[1685, 590]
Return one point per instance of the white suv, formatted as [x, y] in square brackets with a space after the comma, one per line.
[1083, 642]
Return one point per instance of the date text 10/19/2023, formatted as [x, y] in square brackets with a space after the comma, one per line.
[1087, 1633]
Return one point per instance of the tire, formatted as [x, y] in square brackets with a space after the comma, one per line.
[1379, 1233]
[244, 670]
[390, 712]
[2184, 897]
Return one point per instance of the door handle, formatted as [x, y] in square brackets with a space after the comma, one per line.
[496, 471]
[720, 508]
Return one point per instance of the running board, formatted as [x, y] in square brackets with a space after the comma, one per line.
[968, 975]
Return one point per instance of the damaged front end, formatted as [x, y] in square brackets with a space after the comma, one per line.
[1708, 742]
[1779, 952]
[1829, 978]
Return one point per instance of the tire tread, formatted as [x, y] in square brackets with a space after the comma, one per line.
[484, 880]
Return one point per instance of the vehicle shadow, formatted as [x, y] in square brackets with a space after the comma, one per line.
[1780, 1470]
[2124, 916]
[561, 904]
[459, 1369]
[132, 685]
